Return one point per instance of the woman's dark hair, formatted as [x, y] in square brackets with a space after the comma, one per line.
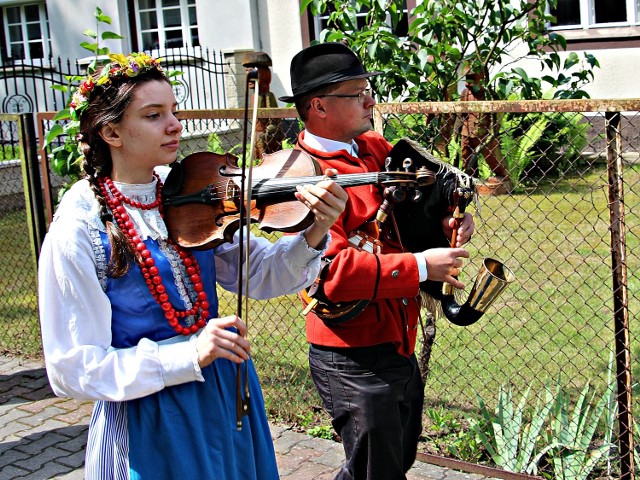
[107, 106]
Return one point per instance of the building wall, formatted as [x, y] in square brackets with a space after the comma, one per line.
[616, 77]
[281, 38]
[270, 26]
[67, 21]
[226, 24]
[274, 26]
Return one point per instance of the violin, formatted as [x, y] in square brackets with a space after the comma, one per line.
[201, 194]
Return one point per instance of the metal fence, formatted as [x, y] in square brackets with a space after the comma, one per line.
[565, 223]
[30, 88]
[22, 229]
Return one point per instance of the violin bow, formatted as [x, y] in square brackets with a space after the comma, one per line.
[242, 387]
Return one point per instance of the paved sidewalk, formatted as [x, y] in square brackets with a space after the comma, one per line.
[43, 436]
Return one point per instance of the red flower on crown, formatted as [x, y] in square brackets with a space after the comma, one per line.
[120, 65]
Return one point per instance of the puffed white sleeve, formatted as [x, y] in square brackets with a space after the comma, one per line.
[281, 268]
[75, 317]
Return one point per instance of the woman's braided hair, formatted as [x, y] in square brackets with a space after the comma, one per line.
[102, 100]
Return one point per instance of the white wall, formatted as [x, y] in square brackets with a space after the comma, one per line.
[273, 26]
[67, 21]
[616, 77]
[225, 24]
[618, 74]
[281, 38]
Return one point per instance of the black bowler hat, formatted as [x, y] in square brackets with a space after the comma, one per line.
[321, 65]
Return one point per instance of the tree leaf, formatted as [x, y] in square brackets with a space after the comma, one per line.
[52, 134]
[92, 47]
[111, 35]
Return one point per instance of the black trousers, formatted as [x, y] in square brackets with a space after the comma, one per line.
[374, 397]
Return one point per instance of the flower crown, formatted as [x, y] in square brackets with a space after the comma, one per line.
[128, 66]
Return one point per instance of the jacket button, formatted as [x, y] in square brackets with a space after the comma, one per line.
[395, 273]
[405, 301]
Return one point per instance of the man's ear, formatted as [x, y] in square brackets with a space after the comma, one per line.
[318, 106]
[109, 134]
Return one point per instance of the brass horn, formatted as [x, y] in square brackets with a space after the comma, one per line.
[493, 277]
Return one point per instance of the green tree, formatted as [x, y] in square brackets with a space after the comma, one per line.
[448, 39]
[483, 43]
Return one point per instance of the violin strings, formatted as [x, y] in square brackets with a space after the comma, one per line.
[287, 184]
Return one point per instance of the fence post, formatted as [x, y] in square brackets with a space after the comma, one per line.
[620, 294]
[32, 186]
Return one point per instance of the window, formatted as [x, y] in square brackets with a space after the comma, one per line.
[167, 24]
[596, 13]
[26, 30]
[320, 22]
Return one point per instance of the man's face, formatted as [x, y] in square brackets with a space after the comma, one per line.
[347, 117]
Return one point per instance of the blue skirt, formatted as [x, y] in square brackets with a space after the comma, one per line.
[195, 422]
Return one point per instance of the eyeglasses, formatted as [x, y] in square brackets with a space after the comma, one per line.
[360, 96]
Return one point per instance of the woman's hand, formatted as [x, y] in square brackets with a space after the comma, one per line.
[465, 230]
[444, 264]
[327, 200]
[215, 341]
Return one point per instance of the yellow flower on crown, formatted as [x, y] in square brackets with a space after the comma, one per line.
[120, 65]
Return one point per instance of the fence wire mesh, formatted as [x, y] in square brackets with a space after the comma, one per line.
[545, 210]
[18, 301]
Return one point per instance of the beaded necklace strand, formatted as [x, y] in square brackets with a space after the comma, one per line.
[200, 310]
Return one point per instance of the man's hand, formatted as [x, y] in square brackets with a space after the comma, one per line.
[465, 231]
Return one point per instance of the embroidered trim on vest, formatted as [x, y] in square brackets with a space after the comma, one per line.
[100, 255]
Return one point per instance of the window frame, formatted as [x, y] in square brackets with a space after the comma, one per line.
[589, 31]
[25, 42]
[185, 26]
[315, 22]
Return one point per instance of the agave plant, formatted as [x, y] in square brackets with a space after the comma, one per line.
[510, 434]
[571, 434]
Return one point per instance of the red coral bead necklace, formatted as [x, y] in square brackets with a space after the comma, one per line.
[200, 310]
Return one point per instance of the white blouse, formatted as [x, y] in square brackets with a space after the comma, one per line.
[75, 312]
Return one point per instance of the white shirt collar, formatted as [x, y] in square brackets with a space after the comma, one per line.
[327, 145]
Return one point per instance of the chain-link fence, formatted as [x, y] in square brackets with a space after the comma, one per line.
[21, 232]
[558, 206]
[568, 229]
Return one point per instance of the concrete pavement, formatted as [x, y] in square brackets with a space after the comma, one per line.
[43, 436]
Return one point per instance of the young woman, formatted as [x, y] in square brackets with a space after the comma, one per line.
[130, 319]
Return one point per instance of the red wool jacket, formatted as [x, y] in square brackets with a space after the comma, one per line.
[391, 279]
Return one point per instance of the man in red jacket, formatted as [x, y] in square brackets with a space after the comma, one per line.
[365, 369]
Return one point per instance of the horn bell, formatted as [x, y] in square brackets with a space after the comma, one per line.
[491, 280]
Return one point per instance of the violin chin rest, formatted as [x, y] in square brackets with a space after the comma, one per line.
[173, 182]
